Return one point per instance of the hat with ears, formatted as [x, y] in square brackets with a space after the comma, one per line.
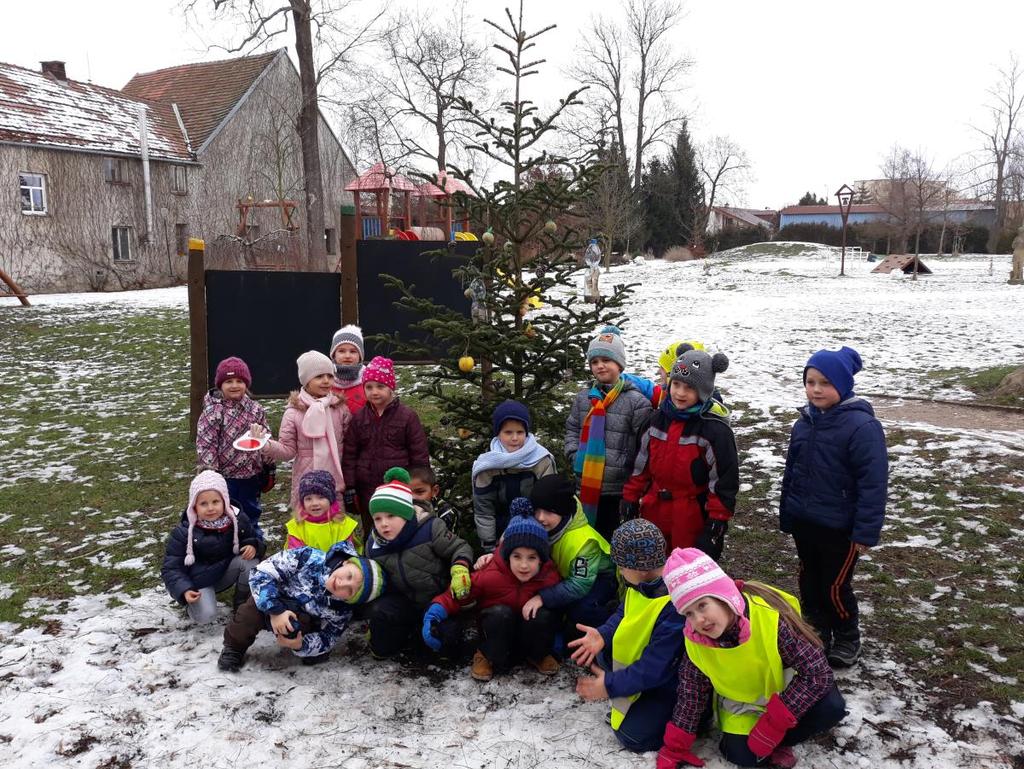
[313, 364]
[697, 369]
[525, 532]
[838, 366]
[373, 575]
[691, 574]
[381, 370]
[608, 344]
[232, 368]
[208, 480]
[349, 334]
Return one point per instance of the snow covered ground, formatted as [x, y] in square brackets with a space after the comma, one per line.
[120, 682]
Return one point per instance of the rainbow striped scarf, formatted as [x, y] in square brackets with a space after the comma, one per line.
[589, 464]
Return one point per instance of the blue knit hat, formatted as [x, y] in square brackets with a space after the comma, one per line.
[838, 366]
[373, 574]
[510, 410]
[318, 482]
[525, 532]
[638, 544]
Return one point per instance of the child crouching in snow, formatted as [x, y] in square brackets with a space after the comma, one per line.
[212, 549]
[749, 651]
[319, 521]
[306, 597]
[509, 630]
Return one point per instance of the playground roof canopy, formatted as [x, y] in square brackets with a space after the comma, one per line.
[443, 186]
[381, 179]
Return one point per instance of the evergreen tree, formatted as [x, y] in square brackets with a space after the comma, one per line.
[529, 253]
[673, 197]
[658, 195]
[809, 199]
[689, 189]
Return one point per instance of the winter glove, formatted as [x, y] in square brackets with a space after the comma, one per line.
[712, 539]
[348, 498]
[435, 613]
[269, 477]
[770, 728]
[628, 510]
[676, 748]
[460, 582]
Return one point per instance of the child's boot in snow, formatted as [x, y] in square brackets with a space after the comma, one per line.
[230, 660]
[845, 649]
[482, 670]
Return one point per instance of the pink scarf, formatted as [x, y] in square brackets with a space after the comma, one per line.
[318, 426]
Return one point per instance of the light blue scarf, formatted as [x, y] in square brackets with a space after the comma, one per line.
[497, 458]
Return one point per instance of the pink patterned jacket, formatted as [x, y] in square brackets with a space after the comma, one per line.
[220, 424]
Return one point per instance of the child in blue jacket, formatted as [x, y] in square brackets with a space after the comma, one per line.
[638, 649]
[833, 496]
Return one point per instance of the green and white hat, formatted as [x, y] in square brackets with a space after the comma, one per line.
[394, 497]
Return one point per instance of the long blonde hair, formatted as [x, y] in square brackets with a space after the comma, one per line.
[786, 612]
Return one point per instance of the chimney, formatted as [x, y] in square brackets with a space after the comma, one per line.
[54, 69]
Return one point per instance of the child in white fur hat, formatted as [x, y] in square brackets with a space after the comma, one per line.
[213, 548]
[313, 426]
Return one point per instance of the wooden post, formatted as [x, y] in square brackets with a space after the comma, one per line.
[359, 215]
[197, 331]
[15, 288]
[347, 238]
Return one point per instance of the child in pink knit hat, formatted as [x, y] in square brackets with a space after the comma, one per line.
[385, 433]
[746, 646]
[213, 548]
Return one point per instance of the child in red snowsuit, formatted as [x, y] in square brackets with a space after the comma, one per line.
[687, 471]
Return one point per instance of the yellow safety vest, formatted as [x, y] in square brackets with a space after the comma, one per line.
[323, 535]
[630, 639]
[565, 550]
[746, 676]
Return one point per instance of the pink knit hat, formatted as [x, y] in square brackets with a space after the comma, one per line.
[232, 367]
[208, 480]
[691, 574]
[381, 370]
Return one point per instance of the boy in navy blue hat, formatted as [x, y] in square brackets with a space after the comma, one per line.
[833, 496]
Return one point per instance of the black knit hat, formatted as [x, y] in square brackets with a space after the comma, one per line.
[525, 532]
[555, 494]
[638, 544]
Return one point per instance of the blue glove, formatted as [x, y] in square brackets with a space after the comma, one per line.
[435, 613]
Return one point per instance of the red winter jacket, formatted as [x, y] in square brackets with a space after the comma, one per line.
[496, 585]
[374, 444]
[686, 471]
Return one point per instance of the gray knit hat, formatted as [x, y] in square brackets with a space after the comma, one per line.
[638, 544]
[698, 370]
[349, 334]
[608, 344]
[313, 363]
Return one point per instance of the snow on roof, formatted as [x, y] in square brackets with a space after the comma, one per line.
[379, 179]
[38, 109]
[205, 92]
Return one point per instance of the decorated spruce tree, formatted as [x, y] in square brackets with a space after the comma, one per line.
[529, 328]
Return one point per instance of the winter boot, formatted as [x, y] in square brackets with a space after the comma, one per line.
[845, 649]
[546, 667]
[230, 660]
[782, 758]
[482, 670]
[316, 659]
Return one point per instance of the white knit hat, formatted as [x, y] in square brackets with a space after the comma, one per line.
[349, 334]
[208, 480]
[312, 364]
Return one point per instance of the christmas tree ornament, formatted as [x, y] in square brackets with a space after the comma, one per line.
[488, 237]
[550, 227]
[466, 364]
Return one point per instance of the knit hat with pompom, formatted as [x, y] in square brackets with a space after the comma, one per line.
[608, 344]
[394, 497]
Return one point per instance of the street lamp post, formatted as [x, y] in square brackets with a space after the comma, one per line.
[845, 195]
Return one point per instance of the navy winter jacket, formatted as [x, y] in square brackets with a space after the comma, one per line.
[213, 552]
[837, 471]
[658, 666]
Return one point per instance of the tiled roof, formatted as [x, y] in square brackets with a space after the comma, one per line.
[377, 180]
[205, 93]
[37, 109]
[744, 215]
[446, 186]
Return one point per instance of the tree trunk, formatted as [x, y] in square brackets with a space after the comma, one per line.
[308, 126]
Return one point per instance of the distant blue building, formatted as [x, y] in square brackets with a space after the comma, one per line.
[959, 212]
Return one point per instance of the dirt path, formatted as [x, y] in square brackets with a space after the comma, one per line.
[946, 414]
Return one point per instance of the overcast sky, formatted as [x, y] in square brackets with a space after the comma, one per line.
[816, 92]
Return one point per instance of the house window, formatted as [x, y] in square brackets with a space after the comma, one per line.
[181, 238]
[122, 238]
[180, 186]
[115, 170]
[331, 240]
[33, 193]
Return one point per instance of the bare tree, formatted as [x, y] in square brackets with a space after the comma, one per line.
[324, 39]
[725, 168]
[912, 194]
[601, 67]
[1002, 140]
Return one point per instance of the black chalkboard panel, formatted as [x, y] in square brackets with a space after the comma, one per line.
[268, 319]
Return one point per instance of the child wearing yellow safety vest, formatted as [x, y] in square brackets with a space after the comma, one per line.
[637, 650]
[588, 591]
[318, 521]
[752, 660]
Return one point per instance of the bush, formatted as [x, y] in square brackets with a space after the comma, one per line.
[678, 254]
[736, 236]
